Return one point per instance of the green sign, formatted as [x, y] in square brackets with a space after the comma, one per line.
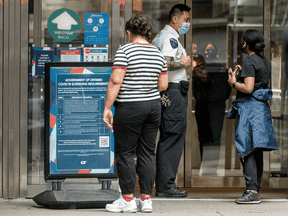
[64, 25]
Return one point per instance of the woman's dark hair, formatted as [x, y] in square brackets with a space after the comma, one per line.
[141, 25]
[199, 59]
[198, 70]
[255, 40]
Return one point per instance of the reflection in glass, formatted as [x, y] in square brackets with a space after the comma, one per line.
[217, 29]
[276, 66]
[211, 90]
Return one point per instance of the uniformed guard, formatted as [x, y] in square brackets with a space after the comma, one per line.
[174, 102]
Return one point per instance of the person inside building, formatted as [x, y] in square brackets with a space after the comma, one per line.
[253, 121]
[200, 89]
[210, 106]
[174, 102]
[139, 74]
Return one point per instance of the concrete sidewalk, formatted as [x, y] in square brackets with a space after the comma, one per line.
[179, 207]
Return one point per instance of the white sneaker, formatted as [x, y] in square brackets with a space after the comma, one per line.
[122, 205]
[145, 206]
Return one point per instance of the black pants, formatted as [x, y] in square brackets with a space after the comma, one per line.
[252, 166]
[253, 169]
[135, 129]
[172, 139]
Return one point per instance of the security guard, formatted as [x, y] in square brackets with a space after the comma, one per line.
[174, 102]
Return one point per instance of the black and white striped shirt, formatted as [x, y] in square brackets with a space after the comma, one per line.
[143, 64]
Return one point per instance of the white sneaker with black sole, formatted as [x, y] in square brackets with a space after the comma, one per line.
[145, 206]
[122, 205]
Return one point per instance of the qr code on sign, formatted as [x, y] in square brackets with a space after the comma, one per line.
[104, 141]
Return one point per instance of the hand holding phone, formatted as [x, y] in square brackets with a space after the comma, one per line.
[237, 69]
[230, 71]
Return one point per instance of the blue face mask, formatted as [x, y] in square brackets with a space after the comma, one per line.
[184, 28]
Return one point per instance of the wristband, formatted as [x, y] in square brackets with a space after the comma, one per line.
[234, 84]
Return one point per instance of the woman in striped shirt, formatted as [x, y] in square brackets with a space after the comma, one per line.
[139, 74]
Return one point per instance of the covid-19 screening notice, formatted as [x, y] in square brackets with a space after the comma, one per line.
[82, 137]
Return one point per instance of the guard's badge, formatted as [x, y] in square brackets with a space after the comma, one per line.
[174, 43]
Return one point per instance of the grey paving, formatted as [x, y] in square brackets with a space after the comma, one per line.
[207, 207]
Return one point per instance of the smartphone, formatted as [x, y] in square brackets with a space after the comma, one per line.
[230, 71]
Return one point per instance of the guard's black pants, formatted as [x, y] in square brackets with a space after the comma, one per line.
[172, 139]
[135, 129]
[252, 166]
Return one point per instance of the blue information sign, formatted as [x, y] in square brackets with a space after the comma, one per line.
[79, 141]
[96, 28]
[40, 55]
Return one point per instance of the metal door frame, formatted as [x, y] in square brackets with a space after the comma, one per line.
[13, 97]
[1, 98]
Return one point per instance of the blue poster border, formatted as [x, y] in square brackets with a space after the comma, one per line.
[49, 108]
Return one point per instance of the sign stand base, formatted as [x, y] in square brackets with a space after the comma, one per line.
[60, 199]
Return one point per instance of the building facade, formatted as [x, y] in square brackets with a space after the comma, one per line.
[217, 27]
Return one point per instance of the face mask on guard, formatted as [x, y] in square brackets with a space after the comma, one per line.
[184, 28]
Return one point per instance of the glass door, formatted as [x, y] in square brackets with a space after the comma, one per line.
[40, 11]
[279, 65]
[217, 29]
